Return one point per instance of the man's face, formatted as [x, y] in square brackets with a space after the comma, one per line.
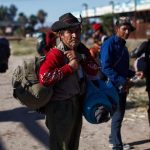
[96, 34]
[71, 37]
[123, 31]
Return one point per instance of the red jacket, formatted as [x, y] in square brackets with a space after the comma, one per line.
[55, 68]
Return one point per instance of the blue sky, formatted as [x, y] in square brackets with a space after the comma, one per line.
[54, 8]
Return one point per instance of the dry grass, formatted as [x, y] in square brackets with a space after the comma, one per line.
[28, 46]
[137, 96]
[24, 47]
[133, 43]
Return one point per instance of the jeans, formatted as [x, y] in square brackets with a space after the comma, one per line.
[115, 137]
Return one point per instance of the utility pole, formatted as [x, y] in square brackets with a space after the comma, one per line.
[85, 5]
[135, 4]
[112, 5]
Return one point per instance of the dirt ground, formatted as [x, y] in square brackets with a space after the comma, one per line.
[24, 129]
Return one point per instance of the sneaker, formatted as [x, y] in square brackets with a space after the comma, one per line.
[110, 145]
[126, 147]
[117, 148]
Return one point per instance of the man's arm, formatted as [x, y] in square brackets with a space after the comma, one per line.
[54, 68]
[139, 50]
[106, 54]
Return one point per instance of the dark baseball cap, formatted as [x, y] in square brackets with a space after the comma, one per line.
[125, 21]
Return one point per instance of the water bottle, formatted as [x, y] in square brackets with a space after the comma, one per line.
[135, 79]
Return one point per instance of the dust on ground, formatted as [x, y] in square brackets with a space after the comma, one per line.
[24, 129]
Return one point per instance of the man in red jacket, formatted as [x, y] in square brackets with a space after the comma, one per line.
[64, 69]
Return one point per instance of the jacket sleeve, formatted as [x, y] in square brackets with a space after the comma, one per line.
[131, 73]
[53, 68]
[139, 50]
[106, 54]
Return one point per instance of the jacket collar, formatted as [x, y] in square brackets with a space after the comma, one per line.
[61, 46]
[120, 40]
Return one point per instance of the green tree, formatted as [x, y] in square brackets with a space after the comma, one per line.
[41, 15]
[108, 23]
[8, 13]
[3, 12]
[22, 19]
[12, 11]
[33, 20]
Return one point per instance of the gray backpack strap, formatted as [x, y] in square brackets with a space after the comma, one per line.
[61, 47]
[117, 62]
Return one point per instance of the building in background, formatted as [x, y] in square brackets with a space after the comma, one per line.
[138, 10]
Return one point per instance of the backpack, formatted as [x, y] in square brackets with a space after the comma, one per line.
[45, 41]
[41, 43]
[26, 86]
[100, 102]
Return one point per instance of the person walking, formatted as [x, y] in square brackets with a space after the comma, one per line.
[98, 33]
[143, 52]
[114, 59]
[64, 69]
[99, 37]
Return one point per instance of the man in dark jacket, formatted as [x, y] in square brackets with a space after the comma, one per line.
[64, 69]
[144, 51]
[114, 58]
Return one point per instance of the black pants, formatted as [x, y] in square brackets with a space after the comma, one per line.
[64, 121]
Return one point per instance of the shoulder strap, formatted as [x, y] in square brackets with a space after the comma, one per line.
[119, 58]
[61, 47]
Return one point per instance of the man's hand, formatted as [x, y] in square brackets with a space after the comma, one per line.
[128, 85]
[73, 62]
[139, 74]
[71, 54]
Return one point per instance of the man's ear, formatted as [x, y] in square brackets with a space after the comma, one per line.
[116, 28]
[60, 34]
